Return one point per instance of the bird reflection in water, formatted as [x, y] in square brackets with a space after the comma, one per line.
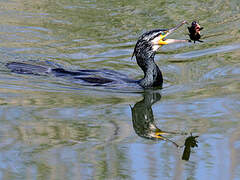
[144, 126]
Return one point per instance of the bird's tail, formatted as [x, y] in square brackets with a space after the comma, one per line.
[24, 68]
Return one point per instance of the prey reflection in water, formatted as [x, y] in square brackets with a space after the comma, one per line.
[144, 51]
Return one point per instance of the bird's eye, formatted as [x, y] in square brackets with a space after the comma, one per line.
[164, 33]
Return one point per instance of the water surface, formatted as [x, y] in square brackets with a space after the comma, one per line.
[52, 128]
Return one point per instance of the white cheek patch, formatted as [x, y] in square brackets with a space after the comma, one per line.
[156, 40]
[155, 43]
[155, 47]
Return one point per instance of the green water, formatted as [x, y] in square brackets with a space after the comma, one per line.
[52, 128]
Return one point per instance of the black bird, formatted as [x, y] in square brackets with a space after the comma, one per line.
[144, 51]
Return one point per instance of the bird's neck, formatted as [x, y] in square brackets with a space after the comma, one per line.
[152, 73]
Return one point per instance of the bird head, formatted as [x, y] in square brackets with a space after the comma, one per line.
[149, 42]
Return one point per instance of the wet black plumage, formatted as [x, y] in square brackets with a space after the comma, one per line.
[145, 59]
[145, 54]
[144, 51]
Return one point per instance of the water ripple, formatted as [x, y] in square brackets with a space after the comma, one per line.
[209, 51]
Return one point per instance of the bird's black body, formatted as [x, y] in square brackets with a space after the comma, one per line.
[145, 54]
[144, 51]
[194, 32]
[94, 77]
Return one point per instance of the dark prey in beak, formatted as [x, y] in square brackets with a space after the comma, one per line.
[194, 32]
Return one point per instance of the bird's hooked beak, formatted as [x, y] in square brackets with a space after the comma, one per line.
[161, 39]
